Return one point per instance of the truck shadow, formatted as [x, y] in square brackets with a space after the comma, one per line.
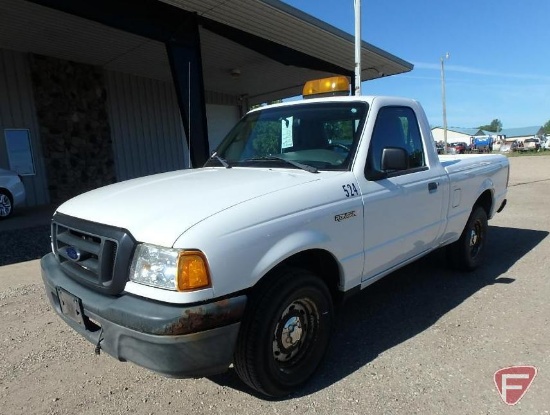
[404, 304]
[26, 244]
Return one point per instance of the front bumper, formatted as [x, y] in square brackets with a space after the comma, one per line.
[173, 339]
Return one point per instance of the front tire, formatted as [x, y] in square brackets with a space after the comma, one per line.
[468, 252]
[285, 333]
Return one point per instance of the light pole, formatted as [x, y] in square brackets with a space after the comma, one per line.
[443, 58]
[357, 8]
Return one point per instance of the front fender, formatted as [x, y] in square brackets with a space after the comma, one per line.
[288, 246]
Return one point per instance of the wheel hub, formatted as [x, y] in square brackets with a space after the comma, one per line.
[473, 238]
[476, 239]
[292, 332]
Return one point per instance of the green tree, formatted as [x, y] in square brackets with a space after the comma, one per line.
[546, 127]
[495, 126]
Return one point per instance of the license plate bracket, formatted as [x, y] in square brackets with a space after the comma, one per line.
[71, 306]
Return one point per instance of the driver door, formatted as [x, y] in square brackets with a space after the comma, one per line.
[403, 209]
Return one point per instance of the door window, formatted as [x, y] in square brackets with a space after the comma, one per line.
[395, 127]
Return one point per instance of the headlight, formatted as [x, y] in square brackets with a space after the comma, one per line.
[170, 269]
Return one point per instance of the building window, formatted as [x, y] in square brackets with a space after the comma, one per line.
[18, 145]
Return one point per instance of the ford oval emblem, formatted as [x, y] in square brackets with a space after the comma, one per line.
[73, 253]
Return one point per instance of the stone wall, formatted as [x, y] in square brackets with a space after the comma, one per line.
[71, 101]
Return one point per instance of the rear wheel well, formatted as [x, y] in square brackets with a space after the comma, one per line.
[485, 201]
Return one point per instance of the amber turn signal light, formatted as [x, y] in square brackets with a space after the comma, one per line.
[193, 273]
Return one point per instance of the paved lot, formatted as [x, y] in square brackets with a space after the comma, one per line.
[424, 340]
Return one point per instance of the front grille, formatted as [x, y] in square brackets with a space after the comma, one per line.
[94, 254]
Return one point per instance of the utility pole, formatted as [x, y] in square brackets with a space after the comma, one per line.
[443, 58]
[357, 91]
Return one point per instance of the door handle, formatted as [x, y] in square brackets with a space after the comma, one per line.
[432, 187]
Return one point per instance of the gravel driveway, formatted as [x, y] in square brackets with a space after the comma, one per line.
[424, 340]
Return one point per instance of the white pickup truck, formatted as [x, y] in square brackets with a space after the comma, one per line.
[241, 262]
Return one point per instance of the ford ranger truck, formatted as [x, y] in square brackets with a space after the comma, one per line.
[241, 262]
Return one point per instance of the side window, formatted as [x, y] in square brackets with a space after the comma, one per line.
[413, 140]
[395, 127]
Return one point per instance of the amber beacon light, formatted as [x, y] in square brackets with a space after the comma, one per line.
[333, 86]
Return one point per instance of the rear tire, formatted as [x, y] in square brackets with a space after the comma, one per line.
[285, 333]
[6, 204]
[468, 252]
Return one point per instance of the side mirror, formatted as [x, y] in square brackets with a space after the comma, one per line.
[394, 159]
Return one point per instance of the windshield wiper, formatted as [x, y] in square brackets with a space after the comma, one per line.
[223, 162]
[302, 166]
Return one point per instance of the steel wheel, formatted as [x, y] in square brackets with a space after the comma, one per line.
[284, 333]
[476, 238]
[468, 252]
[295, 332]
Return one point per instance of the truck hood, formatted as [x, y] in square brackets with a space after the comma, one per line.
[158, 209]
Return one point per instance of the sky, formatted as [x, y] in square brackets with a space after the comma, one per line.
[499, 63]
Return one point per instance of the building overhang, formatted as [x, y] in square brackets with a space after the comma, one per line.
[295, 46]
[261, 50]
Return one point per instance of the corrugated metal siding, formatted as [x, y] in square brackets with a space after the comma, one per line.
[146, 126]
[17, 110]
[221, 118]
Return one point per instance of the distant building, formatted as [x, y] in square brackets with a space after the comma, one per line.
[509, 135]
[456, 135]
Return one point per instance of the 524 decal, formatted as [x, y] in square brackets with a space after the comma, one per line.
[350, 190]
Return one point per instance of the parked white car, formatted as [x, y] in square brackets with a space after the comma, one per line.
[531, 144]
[12, 192]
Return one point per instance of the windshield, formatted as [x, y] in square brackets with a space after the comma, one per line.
[321, 135]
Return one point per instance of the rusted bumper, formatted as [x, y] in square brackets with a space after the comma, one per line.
[179, 341]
